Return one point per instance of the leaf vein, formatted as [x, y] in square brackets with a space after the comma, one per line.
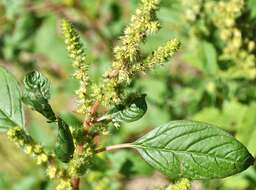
[181, 151]
[202, 139]
[184, 134]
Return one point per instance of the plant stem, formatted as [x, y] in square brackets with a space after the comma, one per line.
[75, 183]
[88, 122]
[114, 147]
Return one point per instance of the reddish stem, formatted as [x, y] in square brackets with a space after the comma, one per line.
[90, 120]
[95, 107]
[75, 183]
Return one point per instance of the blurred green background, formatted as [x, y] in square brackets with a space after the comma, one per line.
[198, 83]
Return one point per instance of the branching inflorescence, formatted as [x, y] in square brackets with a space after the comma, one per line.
[128, 58]
[127, 63]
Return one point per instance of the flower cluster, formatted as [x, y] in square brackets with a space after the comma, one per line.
[77, 54]
[82, 160]
[128, 59]
[23, 140]
[238, 48]
[127, 53]
[159, 56]
[231, 30]
[64, 185]
[192, 9]
[52, 171]
[183, 184]
[229, 10]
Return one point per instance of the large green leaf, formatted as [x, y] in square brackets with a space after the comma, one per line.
[11, 112]
[193, 150]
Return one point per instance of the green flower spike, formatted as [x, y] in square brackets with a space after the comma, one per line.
[76, 52]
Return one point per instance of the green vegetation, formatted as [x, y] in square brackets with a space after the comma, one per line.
[172, 80]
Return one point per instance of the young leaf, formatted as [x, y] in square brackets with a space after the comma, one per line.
[11, 111]
[64, 148]
[37, 94]
[193, 150]
[134, 109]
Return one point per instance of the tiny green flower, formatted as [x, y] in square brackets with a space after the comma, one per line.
[76, 52]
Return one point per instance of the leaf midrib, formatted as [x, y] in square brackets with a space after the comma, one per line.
[180, 151]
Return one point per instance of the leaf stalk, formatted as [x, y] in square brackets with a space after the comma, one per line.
[114, 147]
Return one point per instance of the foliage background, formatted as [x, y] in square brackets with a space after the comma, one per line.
[190, 86]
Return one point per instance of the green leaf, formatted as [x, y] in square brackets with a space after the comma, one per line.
[65, 146]
[37, 94]
[209, 58]
[71, 120]
[193, 150]
[27, 183]
[11, 111]
[134, 109]
[37, 83]
[13, 7]
[252, 5]
[203, 56]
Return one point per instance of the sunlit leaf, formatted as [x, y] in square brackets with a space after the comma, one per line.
[11, 111]
[193, 150]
